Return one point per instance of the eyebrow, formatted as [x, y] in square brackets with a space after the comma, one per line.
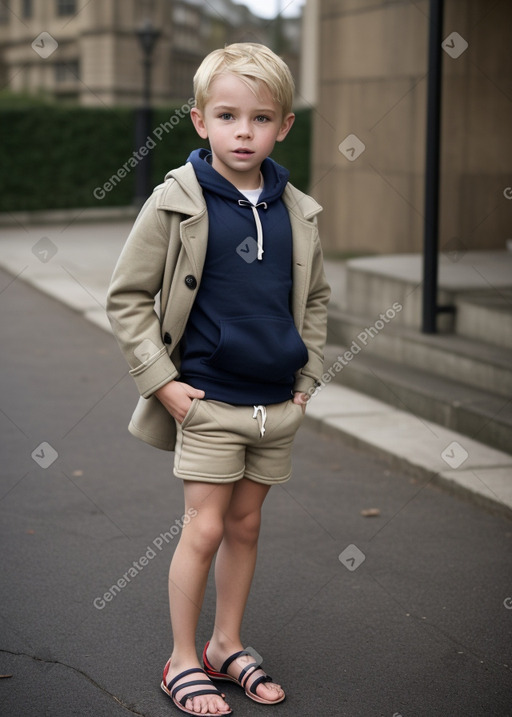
[226, 108]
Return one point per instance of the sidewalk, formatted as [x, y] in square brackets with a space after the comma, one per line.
[72, 261]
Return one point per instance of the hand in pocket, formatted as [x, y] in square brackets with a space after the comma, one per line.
[177, 398]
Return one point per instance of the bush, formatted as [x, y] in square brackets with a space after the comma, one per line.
[57, 156]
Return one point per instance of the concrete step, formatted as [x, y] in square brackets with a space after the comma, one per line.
[373, 284]
[486, 316]
[480, 415]
[457, 358]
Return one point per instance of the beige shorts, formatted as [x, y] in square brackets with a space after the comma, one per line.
[221, 443]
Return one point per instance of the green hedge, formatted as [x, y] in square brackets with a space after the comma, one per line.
[56, 157]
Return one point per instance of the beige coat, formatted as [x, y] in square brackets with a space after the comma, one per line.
[165, 253]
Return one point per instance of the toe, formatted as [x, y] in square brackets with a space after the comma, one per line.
[269, 691]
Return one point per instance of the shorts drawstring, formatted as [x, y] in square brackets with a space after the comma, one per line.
[260, 411]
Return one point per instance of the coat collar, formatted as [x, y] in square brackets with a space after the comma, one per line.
[181, 192]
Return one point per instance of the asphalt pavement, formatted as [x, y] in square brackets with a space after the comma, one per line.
[405, 613]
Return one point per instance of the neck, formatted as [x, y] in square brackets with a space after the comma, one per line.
[241, 180]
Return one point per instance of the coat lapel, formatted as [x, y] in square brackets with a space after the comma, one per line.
[299, 207]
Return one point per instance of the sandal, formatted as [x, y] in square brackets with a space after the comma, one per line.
[243, 677]
[206, 688]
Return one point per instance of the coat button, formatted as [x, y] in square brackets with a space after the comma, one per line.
[191, 281]
[167, 338]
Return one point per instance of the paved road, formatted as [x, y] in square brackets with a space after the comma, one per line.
[421, 627]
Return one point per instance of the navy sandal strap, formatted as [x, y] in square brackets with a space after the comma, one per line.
[247, 672]
[193, 684]
[198, 693]
[259, 681]
[224, 668]
[184, 674]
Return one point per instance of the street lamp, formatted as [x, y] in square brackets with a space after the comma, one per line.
[147, 35]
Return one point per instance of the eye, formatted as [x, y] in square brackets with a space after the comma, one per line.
[262, 119]
[226, 116]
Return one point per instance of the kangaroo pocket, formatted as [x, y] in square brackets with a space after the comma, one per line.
[259, 348]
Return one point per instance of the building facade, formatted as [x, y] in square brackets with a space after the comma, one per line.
[370, 120]
[88, 52]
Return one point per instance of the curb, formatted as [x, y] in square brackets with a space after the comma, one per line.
[64, 216]
[423, 449]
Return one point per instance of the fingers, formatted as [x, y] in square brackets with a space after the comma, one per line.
[193, 392]
[177, 397]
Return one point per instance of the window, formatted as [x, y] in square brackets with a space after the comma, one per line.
[67, 71]
[27, 8]
[66, 7]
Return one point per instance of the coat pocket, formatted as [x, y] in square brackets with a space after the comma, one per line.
[259, 348]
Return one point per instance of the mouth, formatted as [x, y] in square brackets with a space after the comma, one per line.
[243, 151]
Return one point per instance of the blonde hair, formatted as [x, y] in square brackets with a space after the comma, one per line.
[252, 63]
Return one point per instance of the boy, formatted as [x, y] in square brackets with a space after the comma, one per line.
[225, 369]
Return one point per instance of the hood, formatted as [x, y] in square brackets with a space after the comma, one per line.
[275, 179]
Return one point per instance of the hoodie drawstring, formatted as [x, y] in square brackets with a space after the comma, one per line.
[262, 412]
[259, 228]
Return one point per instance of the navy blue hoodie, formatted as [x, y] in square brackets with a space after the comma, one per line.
[241, 345]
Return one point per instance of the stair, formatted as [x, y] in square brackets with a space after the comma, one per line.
[486, 316]
[460, 378]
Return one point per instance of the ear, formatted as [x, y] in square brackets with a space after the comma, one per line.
[285, 127]
[198, 122]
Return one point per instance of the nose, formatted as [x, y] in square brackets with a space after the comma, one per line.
[244, 129]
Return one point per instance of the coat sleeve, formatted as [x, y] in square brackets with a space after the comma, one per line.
[136, 280]
[314, 329]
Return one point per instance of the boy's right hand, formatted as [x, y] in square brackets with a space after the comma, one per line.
[177, 396]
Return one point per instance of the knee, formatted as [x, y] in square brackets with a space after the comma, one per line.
[204, 535]
[243, 528]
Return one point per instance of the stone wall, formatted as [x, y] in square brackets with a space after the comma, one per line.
[369, 125]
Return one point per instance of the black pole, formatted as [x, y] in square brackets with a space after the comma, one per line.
[431, 226]
[143, 116]
[148, 37]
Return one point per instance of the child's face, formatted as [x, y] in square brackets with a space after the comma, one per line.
[242, 129]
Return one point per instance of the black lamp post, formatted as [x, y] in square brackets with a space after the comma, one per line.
[147, 35]
[431, 309]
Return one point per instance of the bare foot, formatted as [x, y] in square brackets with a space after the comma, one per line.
[270, 691]
[200, 704]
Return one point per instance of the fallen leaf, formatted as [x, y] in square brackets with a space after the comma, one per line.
[370, 512]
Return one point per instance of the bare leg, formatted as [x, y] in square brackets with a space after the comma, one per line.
[188, 575]
[234, 570]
